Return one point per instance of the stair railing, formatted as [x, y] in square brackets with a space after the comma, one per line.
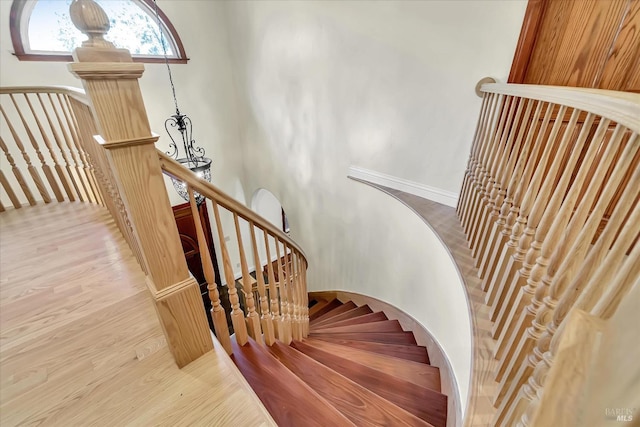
[280, 311]
[107, 149]
[549, 202]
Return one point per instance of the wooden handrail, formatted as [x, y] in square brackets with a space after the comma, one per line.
[621, 107]
[73, 92]
[210, 191]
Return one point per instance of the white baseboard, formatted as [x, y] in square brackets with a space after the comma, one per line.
[435, 194]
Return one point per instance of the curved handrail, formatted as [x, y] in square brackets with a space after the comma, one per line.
[621, 107]
[176, 170]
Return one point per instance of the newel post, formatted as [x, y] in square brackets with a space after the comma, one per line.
[110, 79]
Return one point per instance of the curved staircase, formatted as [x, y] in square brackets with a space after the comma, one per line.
[357, 367]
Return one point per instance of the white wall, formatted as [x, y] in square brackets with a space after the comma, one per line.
[387, 86]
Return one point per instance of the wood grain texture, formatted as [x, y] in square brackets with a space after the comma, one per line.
[263, 371]
[426, 404]
[91, 348]
[360, 405]
[400, 351]
[356, 312]
[420, 374]
[349, 305]
[381, 326]
[382, 337]
[366, 318]
[321, 310]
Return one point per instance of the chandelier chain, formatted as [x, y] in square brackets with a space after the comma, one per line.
[166, 60]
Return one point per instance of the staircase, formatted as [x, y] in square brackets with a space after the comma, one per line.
[356, 367]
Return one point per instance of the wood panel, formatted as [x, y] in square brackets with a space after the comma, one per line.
[587, 43]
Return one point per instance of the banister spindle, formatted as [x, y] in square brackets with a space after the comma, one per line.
[510, 150]
[537, 314]
[32, 170]
[18, 174]
[237, 317]
[273, 288]
[52, 181]
[531, 203]
[266, 320]
[491, 145]
[71, 140]
[515, 190]
[253, 320]
[82, 153]
[285, 333]
[34, 143]
[5, 183]
[217, 311]
[478, 166]
[295, 297]
[499, 148]
[473, 153]
[56, 138]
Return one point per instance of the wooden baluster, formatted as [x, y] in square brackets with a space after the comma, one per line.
[56, 138]
[295, 293]
[2, 208]
[80, 147]
[71, 141]
[600, 293]
[499, 150]
[482, 149]
[473, 153]
[523, 339]
[7, 187]
[489, 141]
[52, 181]
[523, 229]
[510, 151]
[306, 293]
[43, 164]
[32, 170]
[303, 298]
[273, 289]
[266, 320]
[18, 174]
[520, 182]
[253, 319]
[504, 189]
[217, 311]
[64, 146]
[237, 317]
[514, 299]
[285, 333]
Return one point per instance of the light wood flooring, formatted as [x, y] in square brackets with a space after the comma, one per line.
[80, 343]
[445, 223]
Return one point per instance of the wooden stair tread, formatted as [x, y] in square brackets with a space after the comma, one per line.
[349, 305]
[420, 374]
[381, 326]
[424, 403]
[359, 311]
[334, 303]
[406, 352]
[366, 318]
[289, 400]
[317, 306]
[360, 405]
[382, 337]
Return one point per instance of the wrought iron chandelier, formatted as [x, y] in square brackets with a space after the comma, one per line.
[179, 125]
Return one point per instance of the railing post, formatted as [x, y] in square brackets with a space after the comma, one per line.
[110, 79]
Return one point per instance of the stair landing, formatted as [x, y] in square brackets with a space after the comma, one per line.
[80, 343]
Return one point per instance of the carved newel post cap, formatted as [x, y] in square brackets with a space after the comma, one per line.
[92, 21]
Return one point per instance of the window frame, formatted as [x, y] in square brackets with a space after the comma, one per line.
[17, 20]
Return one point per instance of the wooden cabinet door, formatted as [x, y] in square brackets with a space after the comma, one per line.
[580, 43]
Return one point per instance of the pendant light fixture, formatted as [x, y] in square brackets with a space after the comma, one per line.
[179, 129]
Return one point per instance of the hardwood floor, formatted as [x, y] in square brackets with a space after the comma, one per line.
[444, 222]
[80, 342]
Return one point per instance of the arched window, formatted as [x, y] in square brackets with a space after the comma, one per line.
[41, 30]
